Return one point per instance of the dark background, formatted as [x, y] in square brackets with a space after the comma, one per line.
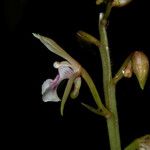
[33, 124]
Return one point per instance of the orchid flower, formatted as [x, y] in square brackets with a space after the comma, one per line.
[69, 69]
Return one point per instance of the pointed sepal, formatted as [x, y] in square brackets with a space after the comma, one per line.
[88, 38]
[66, 93]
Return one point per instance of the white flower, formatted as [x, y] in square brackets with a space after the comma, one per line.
[69, 69]
[49, 87]
[66, 70]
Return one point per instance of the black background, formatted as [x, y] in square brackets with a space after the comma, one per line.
[34, 124]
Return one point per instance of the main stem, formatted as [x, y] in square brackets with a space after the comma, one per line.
[109, 88]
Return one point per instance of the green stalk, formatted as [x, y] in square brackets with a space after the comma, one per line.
[108, 10]
[109, 87]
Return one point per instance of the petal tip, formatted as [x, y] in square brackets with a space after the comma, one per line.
[49, 99]
[36, 35]
[62, 112]
[142, 84]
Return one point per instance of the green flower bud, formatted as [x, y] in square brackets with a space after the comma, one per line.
[142, 143]
[140, 66]
[120, 3]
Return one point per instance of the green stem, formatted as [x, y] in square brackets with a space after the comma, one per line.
[108, 10]
[109, 87]
[106, 65]
[112, 123]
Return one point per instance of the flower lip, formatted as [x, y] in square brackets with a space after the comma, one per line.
[49, 89]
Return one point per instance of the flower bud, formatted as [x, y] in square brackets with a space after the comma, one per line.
[140, 66]
[142, 143]
[120, 3]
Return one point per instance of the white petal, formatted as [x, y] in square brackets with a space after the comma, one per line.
[46, 85]
[50, 95]
[65, 72]
[49, 90]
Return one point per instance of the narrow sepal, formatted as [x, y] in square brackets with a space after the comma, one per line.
[88, 38]
[66, 93]
[92, 109]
